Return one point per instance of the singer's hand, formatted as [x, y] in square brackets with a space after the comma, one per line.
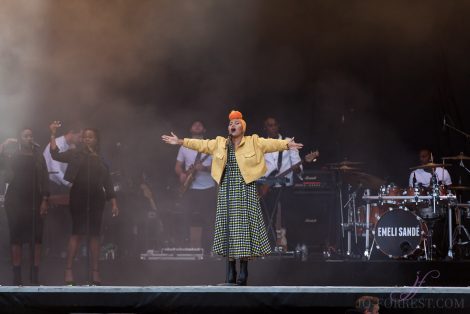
[54, 126]
[294, 146]
[172, 139]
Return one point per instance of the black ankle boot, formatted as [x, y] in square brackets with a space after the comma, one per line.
[231, 272]
[243, 276]
[35, 276]
[17, 276]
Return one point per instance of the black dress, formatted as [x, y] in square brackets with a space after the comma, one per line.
[87, 198]
[24, 195]
[91, 187]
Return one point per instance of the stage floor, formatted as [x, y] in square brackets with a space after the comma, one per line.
[223, 299]
[269, 272]
[277, 285]
[263, 272]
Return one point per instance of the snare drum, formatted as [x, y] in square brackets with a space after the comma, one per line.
[399, 233]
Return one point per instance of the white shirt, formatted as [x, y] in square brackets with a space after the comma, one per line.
[424, 177]
[202, 179]
[289, 158]
[54, 166]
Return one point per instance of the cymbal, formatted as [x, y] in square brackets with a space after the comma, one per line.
[344, 168]
[459, 187]
[460, 156]
[430, 165]
[345, 163]
[367, 180]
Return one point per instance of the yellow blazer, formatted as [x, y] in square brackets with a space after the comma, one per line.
[249, 154]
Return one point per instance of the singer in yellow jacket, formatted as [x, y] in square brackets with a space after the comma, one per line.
[237, 162]
[249, 154]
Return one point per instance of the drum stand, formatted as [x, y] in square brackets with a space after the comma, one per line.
[352, 219]
[460, 228]
[450, 252]
[435, 197]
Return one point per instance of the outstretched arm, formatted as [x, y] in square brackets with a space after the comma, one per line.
[292, 145]
[202, 146]
[270, 145]
[172, 139]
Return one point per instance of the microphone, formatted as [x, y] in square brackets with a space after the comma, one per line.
[229, 138]
[444, 124]
[33, 143]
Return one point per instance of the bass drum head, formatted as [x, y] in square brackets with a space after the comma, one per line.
[398, 233]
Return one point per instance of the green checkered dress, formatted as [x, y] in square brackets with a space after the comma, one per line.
[246, 233]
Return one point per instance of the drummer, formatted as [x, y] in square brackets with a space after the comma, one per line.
[423, 177]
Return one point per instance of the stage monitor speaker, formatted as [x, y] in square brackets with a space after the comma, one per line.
[312, 219]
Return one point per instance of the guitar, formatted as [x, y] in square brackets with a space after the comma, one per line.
[264, 189]
[191, 175]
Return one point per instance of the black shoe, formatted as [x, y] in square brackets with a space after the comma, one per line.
[231, 272]
[35, 276]
[17, 276]
[243, 276]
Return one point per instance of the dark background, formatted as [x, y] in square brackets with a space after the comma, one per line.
[365, 80]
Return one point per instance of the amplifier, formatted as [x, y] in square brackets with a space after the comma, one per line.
[311, 219]
[316, 180]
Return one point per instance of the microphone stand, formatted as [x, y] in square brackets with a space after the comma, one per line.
[467, 136]
[227, 228]
[463, 166]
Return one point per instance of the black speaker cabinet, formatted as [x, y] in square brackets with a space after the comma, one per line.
[312, 219]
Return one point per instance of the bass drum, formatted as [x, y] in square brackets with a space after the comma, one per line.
[399, 233]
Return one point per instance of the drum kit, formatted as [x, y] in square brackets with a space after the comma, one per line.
[402, 222]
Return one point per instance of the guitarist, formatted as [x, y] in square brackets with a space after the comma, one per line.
[281, 194]
[198, 198]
